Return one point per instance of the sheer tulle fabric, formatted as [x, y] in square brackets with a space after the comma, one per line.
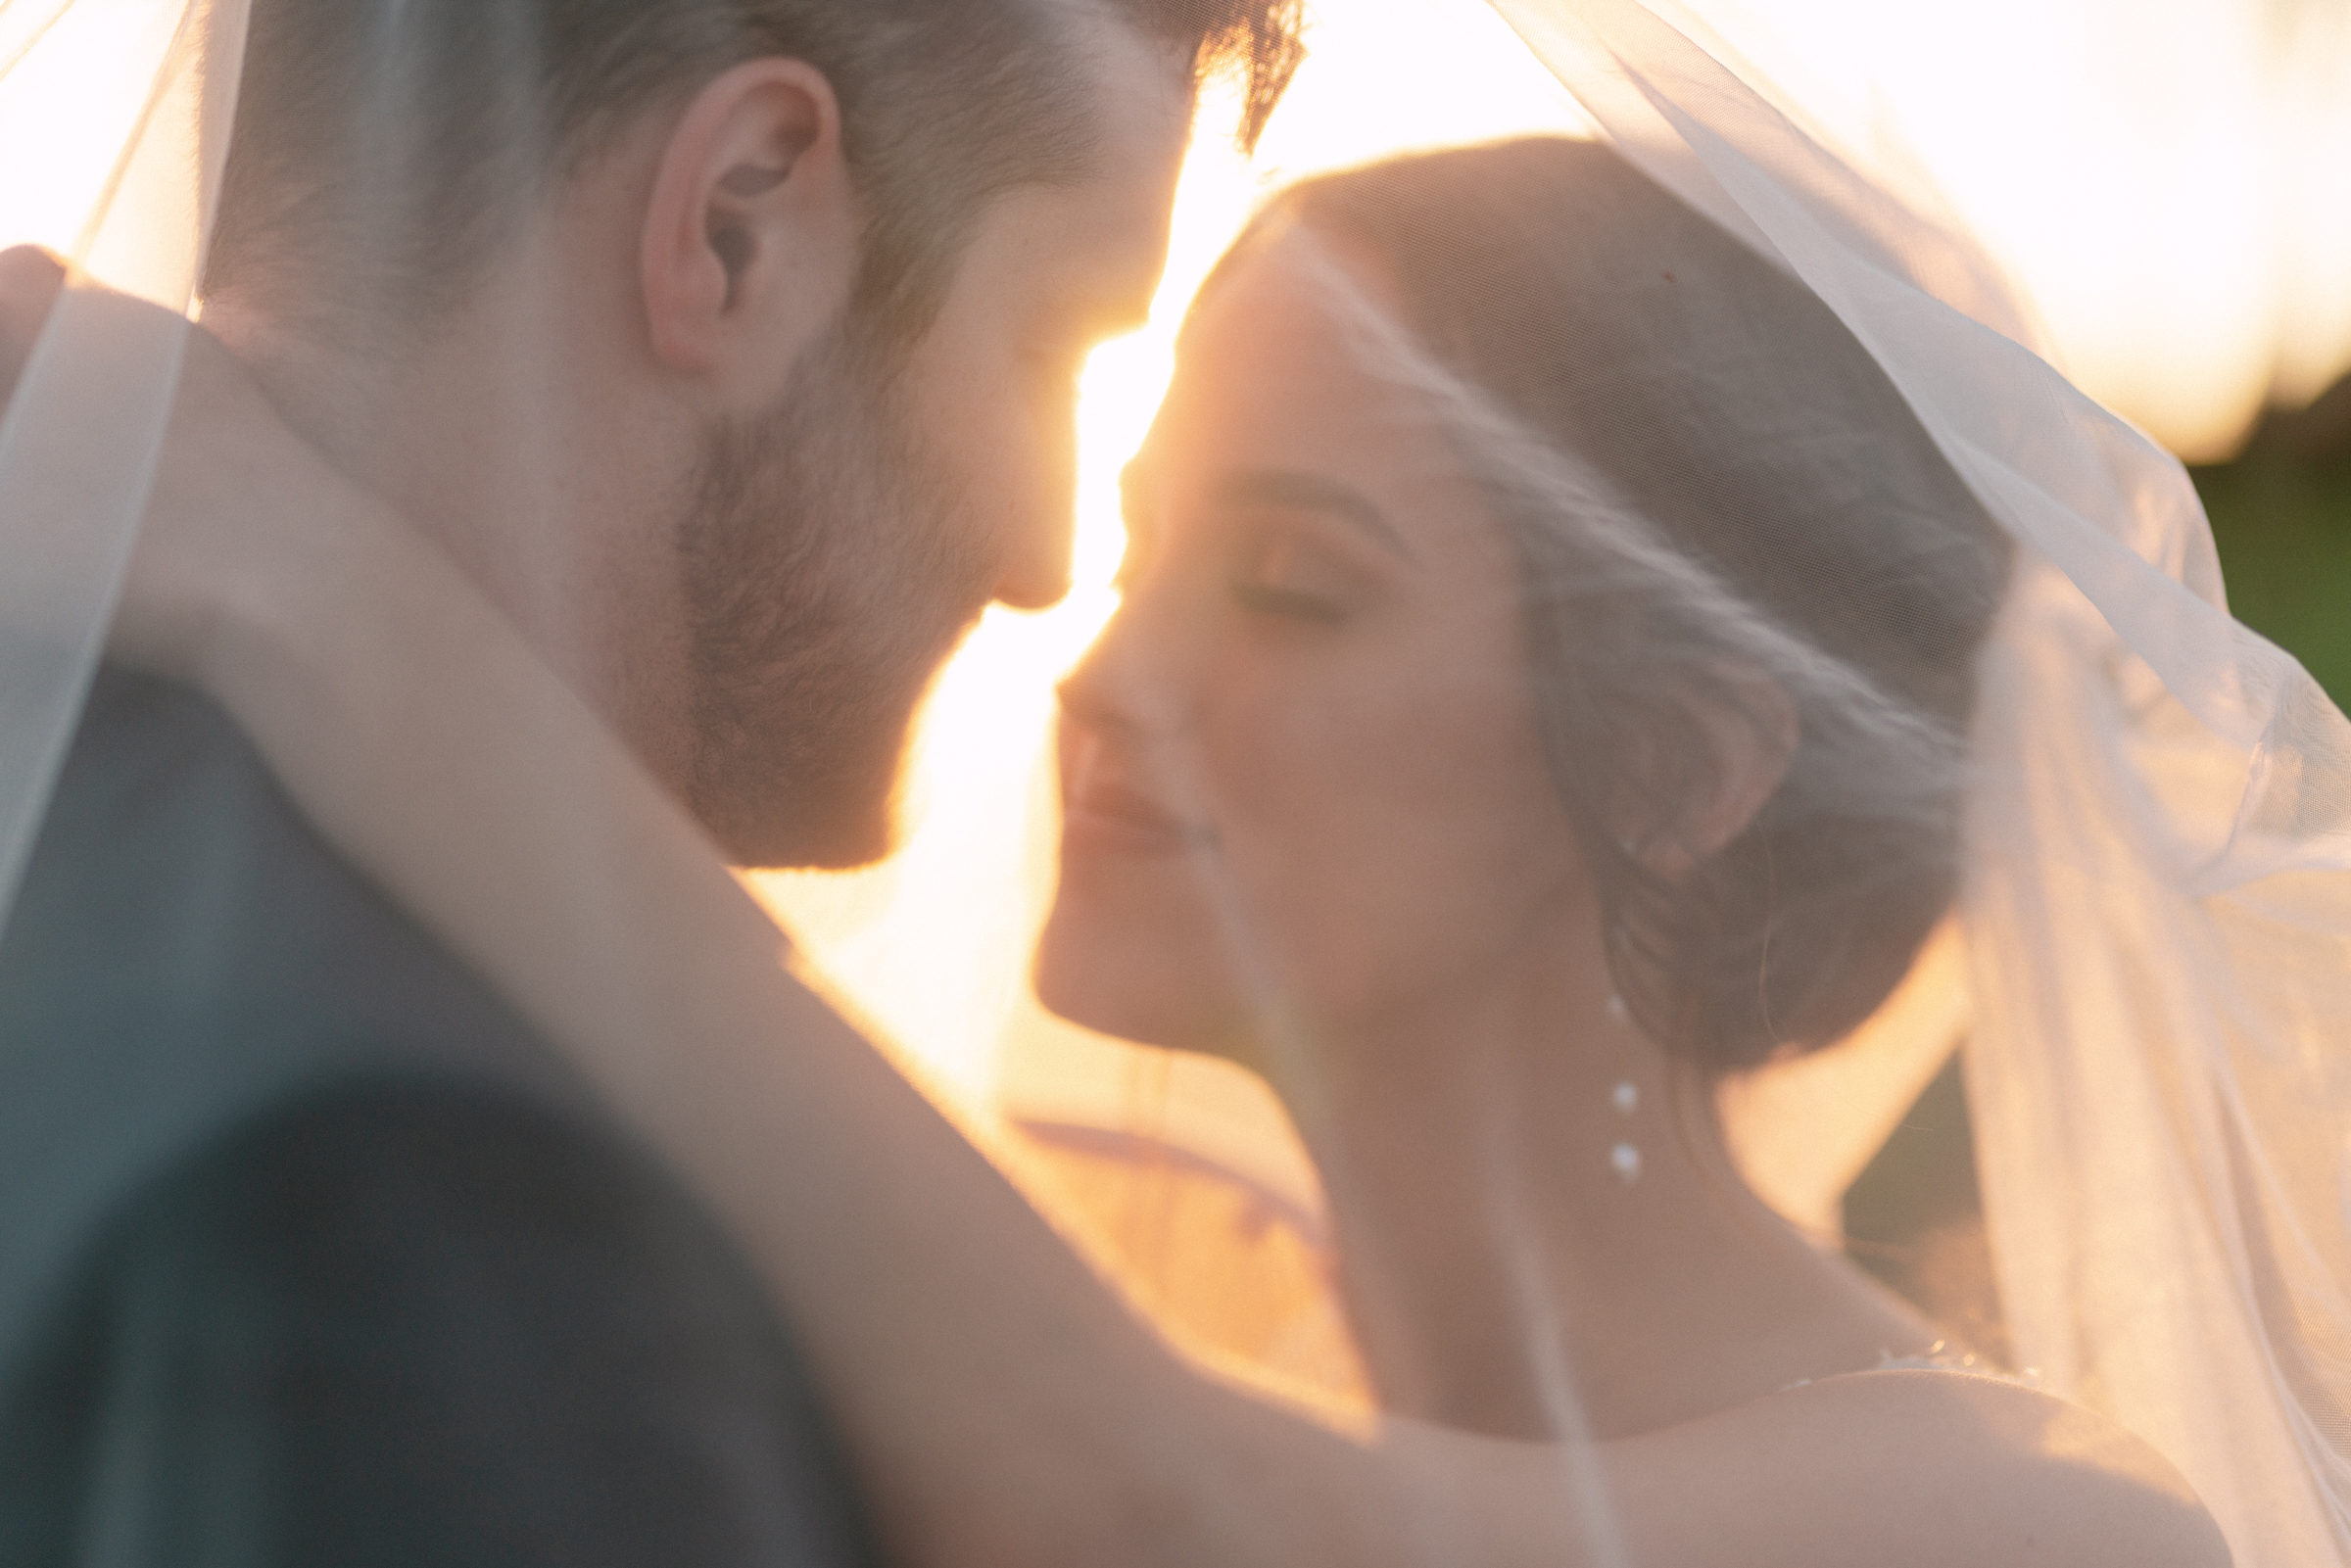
[129, 107]
[2157, 909]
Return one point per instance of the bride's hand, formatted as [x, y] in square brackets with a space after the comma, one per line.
[30, 279]
[244, 519]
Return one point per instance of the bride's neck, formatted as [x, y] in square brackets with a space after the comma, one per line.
[1501, 1271]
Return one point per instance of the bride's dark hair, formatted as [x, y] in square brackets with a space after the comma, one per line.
[1708, 479]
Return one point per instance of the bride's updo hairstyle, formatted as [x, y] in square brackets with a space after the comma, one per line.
[1715, 492]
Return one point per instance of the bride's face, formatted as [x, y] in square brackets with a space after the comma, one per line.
[1300, 771]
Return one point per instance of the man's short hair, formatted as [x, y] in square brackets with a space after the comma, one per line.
[383, 148]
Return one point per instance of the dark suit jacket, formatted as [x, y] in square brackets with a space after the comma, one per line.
[311, 1253]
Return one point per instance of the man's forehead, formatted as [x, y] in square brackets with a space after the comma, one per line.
[1142, 96]
[1106, 232]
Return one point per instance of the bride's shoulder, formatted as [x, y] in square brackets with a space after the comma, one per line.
[1933, 1464]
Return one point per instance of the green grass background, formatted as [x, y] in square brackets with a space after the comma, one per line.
[2282, 523]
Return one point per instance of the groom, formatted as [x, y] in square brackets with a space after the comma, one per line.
[729, 346]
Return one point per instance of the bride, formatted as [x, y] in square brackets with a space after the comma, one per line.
[1476, 755]
[1542, 685]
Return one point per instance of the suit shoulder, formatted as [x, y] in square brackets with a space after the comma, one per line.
[172, 871]
[402, 1195]
[187, 955]
[181, 921]
[436, 1317]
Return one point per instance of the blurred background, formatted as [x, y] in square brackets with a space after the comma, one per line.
[2169, 181]
[2280, 509]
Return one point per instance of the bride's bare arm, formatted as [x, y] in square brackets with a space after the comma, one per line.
[1003, 1404]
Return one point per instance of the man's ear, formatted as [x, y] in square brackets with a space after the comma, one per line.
[752, 230]
[1750, 733]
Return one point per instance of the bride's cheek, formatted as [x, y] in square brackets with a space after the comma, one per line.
[1296, 855]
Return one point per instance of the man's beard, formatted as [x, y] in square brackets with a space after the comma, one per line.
[827, 576]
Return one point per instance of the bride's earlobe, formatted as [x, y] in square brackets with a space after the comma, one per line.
[1749, 728]
[1754, 731]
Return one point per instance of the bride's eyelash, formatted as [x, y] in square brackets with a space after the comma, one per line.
[1260, 600]
[1279, 574]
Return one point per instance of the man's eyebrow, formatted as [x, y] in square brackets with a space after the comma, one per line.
[1290, 487]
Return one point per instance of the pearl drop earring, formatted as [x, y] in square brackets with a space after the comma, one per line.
[1624, 1159]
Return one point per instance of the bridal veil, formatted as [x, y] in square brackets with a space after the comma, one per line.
[2151, 965]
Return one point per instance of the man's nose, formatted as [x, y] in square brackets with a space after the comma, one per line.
[1040, 532]
[1035, 576]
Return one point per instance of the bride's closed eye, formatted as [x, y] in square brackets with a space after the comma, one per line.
[1279, 573]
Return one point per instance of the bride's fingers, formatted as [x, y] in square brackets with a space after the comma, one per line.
[31, 280]
[153, 626]
[246, 522]
[237, 496]
[221, 516]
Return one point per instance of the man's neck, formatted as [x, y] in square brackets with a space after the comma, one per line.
[485, 436]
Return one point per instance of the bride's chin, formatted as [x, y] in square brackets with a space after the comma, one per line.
[1100, 974]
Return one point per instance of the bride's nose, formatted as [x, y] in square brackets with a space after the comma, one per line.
[1123, 685]
[1090, 695]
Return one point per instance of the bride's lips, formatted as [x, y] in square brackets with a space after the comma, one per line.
[1111, 818]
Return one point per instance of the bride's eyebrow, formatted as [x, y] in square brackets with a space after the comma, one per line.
[1294, 488]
